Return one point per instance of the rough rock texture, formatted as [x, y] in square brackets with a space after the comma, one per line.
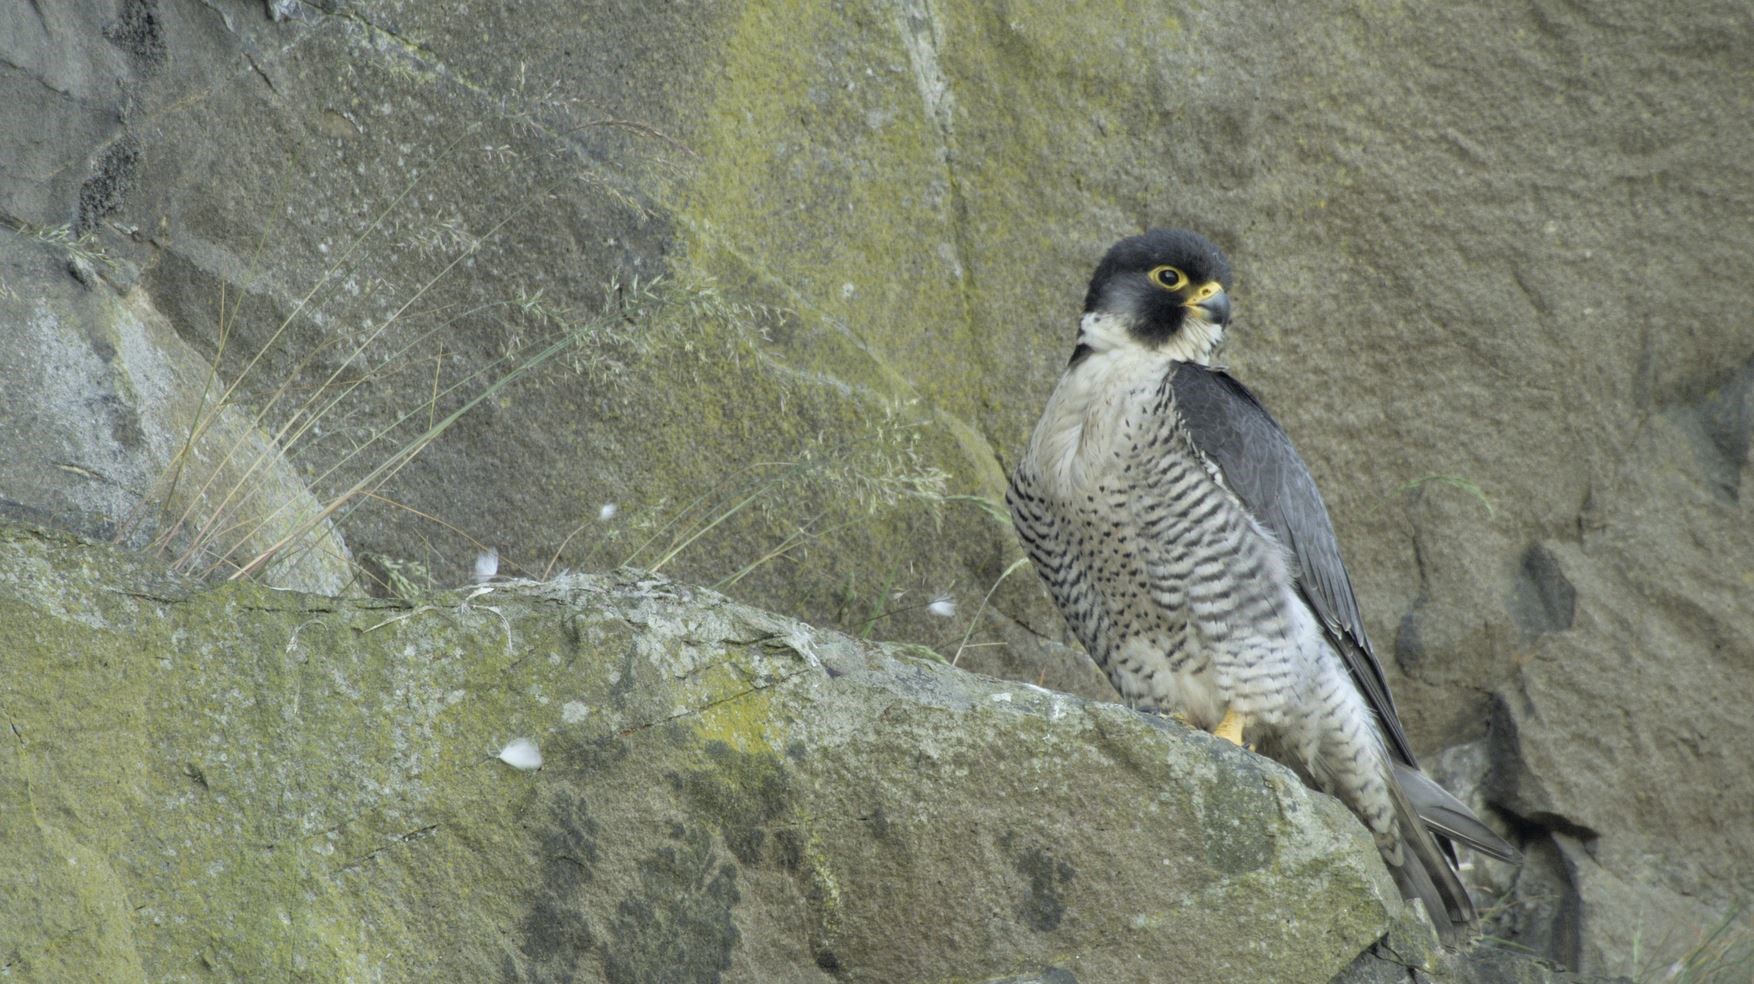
[1525, 223]
[114, 428]
[262, 785]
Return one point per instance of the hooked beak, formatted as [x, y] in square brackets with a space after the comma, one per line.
[1211, 303]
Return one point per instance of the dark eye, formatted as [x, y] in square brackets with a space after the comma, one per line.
[1168, 277]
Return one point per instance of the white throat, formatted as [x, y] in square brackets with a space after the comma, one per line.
[1197, 341]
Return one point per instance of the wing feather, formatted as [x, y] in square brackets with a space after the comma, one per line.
[1228, 424]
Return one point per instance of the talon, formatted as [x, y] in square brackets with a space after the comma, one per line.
[1230, 729]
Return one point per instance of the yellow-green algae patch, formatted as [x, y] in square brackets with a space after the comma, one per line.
[822, 181]
[736, 711]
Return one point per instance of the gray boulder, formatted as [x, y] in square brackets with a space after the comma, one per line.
[257, 785]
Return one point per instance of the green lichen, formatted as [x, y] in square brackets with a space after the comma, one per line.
[734, 711]
[822, 894]
[824, 185]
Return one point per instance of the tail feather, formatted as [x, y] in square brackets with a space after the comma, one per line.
[1428, 818]
[1424, 823]
[1427, 872]
[1449, 816]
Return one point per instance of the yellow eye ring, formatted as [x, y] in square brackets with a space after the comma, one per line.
[1168, 277]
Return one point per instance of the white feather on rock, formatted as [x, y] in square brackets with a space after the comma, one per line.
[521, 753]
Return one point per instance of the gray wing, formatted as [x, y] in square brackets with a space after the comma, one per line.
[1234, 431]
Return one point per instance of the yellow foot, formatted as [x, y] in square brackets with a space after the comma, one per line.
[1230, 729]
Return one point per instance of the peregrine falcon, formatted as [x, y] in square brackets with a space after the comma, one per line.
[1186, 544]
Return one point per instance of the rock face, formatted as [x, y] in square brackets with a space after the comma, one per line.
[259, 785]
[817, 266]
[263, 785]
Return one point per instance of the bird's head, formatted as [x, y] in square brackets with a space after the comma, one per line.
[1166, 291]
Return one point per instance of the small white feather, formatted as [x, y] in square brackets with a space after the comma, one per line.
[942, 606]
[608, 511]
[487, 564]
[522, 753]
